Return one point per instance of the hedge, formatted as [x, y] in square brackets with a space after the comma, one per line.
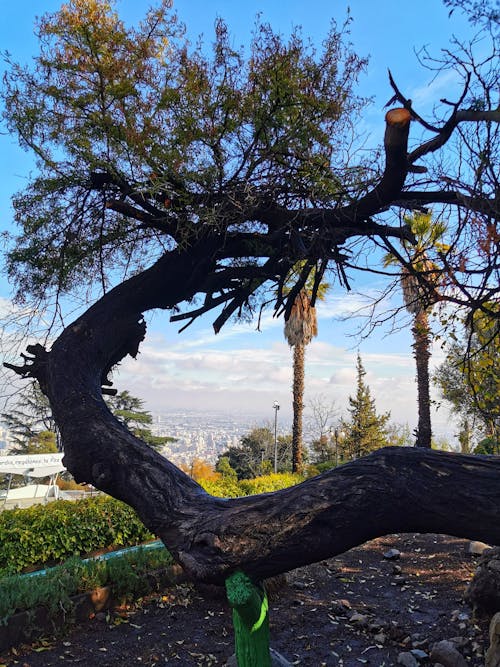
[232, 488]
[50, 534]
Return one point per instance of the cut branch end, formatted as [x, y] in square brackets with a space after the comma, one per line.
[398, 117]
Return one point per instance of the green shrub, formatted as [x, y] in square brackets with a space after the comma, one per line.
[49, 534]
[325, 466]
[227, 487]
[269, 483]
[52, 533]
[53, 589]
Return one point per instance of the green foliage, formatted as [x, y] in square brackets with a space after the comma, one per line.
[41, 443]
[51, 533]
[269, 483]
[251, 457]
[365, 431]
[129, 410]
[222, 488]
[30, 422]
[174, 125]
[127, 579]
[324, 449]
[469, 378]
[53, 589]
[230, 488]
[399, 435]
[224, 468]
[324, 466]
[490, 446]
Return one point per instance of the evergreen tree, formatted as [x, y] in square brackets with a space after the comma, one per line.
[251, 458]
[41, 443]
[30, 423]
[130, 411]
[223, 467]
[365, 431]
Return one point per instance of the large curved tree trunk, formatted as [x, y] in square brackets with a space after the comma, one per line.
[298, 405]
[393, 490]
[421, 347]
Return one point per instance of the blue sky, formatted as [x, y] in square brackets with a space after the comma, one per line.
[242, 370]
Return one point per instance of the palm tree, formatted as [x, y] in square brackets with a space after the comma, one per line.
[300, 328]
[419, 280]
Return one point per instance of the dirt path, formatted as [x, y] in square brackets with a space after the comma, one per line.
[358, 608]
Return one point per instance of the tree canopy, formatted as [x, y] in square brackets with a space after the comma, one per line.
[28, 419]
[469, 377]
[147, 145]
[130, 411]
[255, 454]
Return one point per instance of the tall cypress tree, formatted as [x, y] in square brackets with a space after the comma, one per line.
[365, 431]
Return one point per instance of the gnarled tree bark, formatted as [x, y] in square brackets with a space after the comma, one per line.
[392, 490]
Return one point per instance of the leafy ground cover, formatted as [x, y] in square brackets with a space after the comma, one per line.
[53, 589]
[358, 608]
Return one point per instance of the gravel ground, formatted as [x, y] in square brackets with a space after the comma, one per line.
[358, 608]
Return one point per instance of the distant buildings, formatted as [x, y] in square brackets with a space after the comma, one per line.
[203, 435]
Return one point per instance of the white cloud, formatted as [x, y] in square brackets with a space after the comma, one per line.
[251, 378]
[443, 84]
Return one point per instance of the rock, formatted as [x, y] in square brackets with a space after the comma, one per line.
[407, 659]
[458, 615]
[493, 652]
[299, 585]
[459, 642]
[478, 548]
[277, 660]
[380, 638]
[445, 653]
[377, 625]
[340, 607]
[483, 592]
[359, 619]
[419, 654]
[392, 554]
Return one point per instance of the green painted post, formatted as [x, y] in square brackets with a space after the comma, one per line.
[250, 621]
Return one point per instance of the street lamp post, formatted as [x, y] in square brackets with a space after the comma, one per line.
[276, 407]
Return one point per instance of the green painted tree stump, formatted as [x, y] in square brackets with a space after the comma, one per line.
[250, 621]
